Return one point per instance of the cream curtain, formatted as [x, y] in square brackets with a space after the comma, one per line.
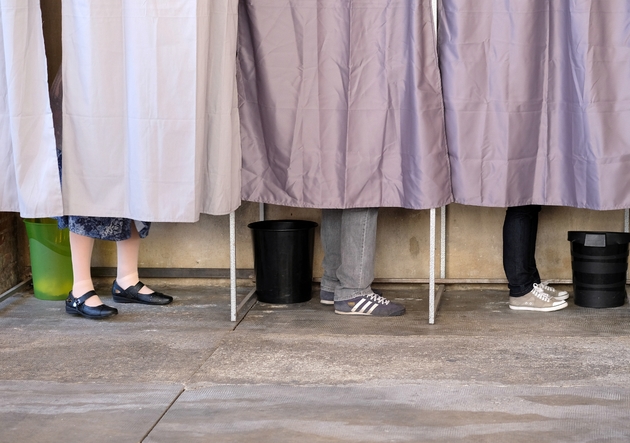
[29, 182]
[150, 111]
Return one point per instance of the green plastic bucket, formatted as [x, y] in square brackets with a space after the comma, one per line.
[51, 264]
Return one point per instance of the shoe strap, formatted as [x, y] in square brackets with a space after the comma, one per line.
[131, 290]
[81, 300]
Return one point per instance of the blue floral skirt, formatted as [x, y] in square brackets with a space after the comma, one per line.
[103, 228]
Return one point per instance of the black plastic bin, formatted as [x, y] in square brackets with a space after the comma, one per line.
[283, 260]
[600, 264]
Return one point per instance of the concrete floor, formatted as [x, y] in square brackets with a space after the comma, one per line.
[185, 373]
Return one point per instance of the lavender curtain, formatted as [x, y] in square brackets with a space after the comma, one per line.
[537, 97]
[150, 109]
[29, 181]
[341, 105]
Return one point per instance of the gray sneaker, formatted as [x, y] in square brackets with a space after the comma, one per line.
[328, 297]
[553, 293]
[537, 300]
[370, 304]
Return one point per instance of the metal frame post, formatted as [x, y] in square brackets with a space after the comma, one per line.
[234, 308]
[16, 289]
[435, 294]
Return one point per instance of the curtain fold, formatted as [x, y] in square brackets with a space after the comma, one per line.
[150, 109]
[29, 183]
[537, 101]
[341, 104]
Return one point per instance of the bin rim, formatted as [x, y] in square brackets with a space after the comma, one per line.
[36, 230]
[612, 238]
[40, 221]
[289, 225]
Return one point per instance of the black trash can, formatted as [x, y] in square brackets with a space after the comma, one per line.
[600, 264]
[283, 260]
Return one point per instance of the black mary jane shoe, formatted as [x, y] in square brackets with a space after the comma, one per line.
[78, 306]
[132, 295]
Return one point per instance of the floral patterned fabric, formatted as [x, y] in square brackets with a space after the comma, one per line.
[103, 228]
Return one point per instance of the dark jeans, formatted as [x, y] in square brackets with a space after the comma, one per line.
[519, 248]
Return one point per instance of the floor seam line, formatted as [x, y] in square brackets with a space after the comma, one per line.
[182, 390]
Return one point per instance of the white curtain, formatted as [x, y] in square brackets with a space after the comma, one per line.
[150, 109]
[29, 181]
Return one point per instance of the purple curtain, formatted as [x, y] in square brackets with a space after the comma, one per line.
[341, 104]
[537, 98]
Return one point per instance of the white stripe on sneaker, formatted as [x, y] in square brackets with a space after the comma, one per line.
[373, 308]
[365, 307]
[358, 305]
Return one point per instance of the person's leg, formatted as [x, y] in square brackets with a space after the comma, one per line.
[354, 295]
[520, 228]
[519, 248]
[552, 292]
[82, 300]
[358, 245]
[330, 233]
[81, 247]
[127, 287]
[331, 244]
[128, 252]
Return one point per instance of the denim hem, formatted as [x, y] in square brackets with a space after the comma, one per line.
[328, 285]
[521, 292]
[348, 294]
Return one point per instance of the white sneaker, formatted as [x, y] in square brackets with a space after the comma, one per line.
[554, 293]
[537, 300]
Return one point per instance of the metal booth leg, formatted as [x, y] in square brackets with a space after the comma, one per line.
[234, 309]
[435, 295]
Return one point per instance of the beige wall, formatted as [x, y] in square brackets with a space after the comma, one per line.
[473, 251]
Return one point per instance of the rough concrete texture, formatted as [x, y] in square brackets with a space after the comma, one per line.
[490, 344]
[185, 373]
[421, 412]
[34, 411]
[142, 343]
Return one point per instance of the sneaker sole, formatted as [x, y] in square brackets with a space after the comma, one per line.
[549, 309]
[396, 314]
[327, 302]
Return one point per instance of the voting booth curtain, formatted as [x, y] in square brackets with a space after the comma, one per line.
[341, 104]
[29, 182]
[537, 101]
[335, 103]
[150, 124]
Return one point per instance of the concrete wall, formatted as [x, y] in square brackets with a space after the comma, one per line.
[473, 251]
[474, 241]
